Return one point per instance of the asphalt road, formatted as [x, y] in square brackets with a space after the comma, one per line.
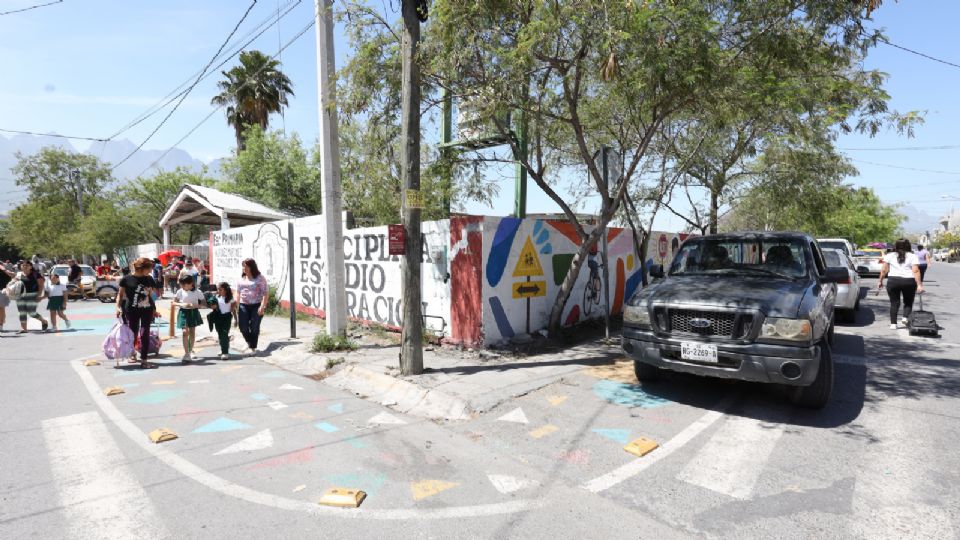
[257, 447]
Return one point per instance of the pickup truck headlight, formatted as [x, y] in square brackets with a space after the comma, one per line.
[788, 329]
[636, 315]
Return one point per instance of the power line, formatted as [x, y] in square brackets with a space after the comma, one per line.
[21, 10]
[184, 95]
[238, 47]
[918, 53]
[896, 148]
[52, 135]
[214, 111]
[905, 168]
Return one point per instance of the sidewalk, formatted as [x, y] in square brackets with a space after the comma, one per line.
[455, 385]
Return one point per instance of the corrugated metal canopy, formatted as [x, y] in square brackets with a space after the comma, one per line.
[207, 206]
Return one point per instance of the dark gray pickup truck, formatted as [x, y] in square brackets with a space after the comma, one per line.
[750, 306]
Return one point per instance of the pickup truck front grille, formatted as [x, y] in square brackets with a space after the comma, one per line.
[718, 324]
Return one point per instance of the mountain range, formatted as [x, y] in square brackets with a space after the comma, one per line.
[142, 162]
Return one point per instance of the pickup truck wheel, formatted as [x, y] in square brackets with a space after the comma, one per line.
[830, 333]
[645, 372]
[818, 393]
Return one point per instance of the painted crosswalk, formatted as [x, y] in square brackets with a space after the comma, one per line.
[97, 491]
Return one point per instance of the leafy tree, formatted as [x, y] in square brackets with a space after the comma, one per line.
[56, 176]
[146, 199]
[108, 227]
[370, 111]
[252, 91]
[275, 170]
[8, 251]
[586, 73]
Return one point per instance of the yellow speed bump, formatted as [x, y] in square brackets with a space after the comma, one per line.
[343, 497]
[641, 447]
[162, 435]
[113, 390]
[89, 363]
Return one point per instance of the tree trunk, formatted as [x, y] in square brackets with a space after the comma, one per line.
[714, 210]
[570, 280]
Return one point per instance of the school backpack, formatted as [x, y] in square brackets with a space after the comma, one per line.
[155, 342]
[119, 341]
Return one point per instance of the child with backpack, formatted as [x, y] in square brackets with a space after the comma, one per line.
[224, 312]
[57, 301]
[189, 300]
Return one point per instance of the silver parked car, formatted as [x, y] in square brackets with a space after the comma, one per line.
[848, 291]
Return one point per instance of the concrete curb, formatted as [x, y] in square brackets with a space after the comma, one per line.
[399, 395]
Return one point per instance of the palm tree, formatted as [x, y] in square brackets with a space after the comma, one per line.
[251, 91]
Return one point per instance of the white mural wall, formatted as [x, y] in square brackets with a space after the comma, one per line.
[372, 276]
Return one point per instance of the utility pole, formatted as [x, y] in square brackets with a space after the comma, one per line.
[77, 188]
[411, 352]
[446, 139]
[520, 197]
[604, 152]
[336, 300]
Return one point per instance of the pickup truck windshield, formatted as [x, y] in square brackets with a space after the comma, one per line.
[782, 257]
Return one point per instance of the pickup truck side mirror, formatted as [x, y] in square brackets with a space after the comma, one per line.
[834, 274]
[656, 271]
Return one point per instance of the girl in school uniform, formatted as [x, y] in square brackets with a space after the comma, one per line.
[224, 312]
[56, 301]
[189, 300]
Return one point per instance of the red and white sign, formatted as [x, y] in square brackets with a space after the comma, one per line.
[662, 245]
[396, 237]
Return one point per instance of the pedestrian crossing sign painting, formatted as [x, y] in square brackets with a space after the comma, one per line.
[528, 265]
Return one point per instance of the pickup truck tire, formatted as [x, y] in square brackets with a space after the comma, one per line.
[817, 395]
[645, 372]
[845, 316]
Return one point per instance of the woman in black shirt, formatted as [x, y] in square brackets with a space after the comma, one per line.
[135, 304]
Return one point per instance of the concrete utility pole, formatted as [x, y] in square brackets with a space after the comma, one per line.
[78, 188]
[411, 352]
[330, 174]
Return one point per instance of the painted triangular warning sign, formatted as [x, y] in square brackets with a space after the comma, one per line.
[528, 265]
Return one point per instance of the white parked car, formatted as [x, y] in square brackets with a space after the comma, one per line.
[842, 244]
[88, 276]
[848, 290]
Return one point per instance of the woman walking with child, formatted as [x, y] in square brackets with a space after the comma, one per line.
[252, 291]
[189, 300]
[57, 301]
[33, 292]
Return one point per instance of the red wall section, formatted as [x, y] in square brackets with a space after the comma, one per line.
[466, 280]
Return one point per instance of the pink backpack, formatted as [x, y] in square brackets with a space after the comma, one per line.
[119, 341]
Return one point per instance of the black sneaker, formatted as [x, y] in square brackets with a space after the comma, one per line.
[45, 325]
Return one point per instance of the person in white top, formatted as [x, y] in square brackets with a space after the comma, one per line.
[923, 260]
[57, 301]
[189, 300]
[902, 268]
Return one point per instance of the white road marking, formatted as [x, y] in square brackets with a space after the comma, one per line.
[385, 418]
[508, 484]
[516, 416]
[261, 440]
[99, 494]
[199, 381]
[277, 405]
[639, 465]
[188, 469]
[290, 387]
[732, 460]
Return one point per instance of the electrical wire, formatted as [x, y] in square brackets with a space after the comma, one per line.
[905, 168]
[21, 10]
[184, 95]
[20, 132]
[918, 53]
[214, 111]
[234, 50]
[896, 148]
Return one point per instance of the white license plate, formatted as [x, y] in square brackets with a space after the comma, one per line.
[698, 352]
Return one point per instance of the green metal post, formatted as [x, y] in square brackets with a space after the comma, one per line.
[446, 138]
[520, 200]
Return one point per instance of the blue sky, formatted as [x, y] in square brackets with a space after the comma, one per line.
[87, 67]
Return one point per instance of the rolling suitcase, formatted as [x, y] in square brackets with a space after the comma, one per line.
[923, 322]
